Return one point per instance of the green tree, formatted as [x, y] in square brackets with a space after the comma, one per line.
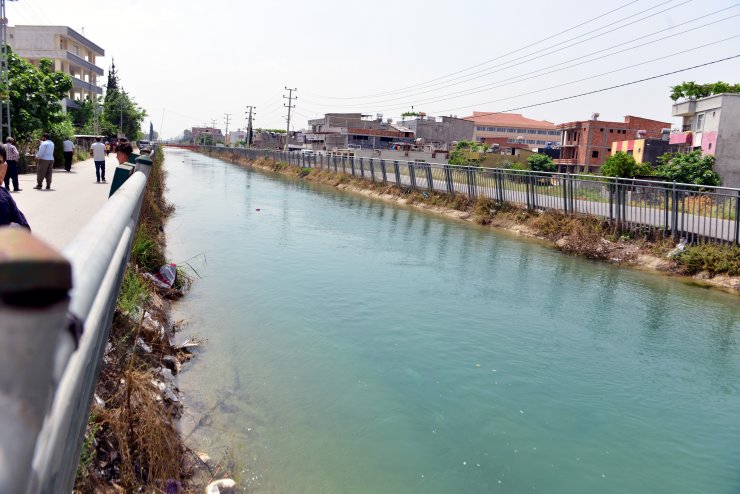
[35, 93]
[541, 163]
[122, 113]
[463, 154]
[688, 168]
[692, 90]
[623, 165]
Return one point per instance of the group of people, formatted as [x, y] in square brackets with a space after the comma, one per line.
[9, 212]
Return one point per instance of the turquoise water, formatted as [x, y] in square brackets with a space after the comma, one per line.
[354, 346]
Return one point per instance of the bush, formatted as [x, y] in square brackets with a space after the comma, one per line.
[541, 163]
[623, 165]
[688, 168]
[713, 258]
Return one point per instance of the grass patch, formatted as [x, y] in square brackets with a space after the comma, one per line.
[146, 251]
[713, 258]
[134, 292]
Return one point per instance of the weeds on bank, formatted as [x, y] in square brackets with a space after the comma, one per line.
[134, 292]
[713, 258]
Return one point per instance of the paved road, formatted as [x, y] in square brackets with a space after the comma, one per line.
[57, 214]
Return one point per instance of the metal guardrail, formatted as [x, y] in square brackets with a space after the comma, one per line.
[697, 213]
[46, 384]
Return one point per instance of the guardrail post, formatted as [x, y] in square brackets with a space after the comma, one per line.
[336, 169]
[143, 165]
[344, 166]
[448, 179]
[397, 172]
[412, 177]
[362, 167]
[674, 213]
[471, 182]
[372, 170]
[527, 179]
[352, 165]
[564, 183]
[737, 218]
[385, 173]
[430, 178]
[37, 341]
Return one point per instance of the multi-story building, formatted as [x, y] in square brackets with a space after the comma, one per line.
[440, 132]
[712, 124]
[585, 145]
[645, 150]
[199, 134]
[515, 128]
[354, 130]
[70, 52]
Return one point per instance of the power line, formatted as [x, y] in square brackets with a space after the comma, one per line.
[609, 26]
[543, 71]
[599, 90]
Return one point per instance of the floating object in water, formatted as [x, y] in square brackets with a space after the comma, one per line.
[258, 209]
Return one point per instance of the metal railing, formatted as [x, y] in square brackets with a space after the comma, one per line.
[696, 213]
[56, 348]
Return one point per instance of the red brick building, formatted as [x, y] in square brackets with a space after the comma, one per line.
[585, 145]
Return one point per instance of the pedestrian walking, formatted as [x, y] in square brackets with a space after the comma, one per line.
[44, 161]
[12, 156]
[69, 148]
[9, 212]
[107, 147]
[98, 152]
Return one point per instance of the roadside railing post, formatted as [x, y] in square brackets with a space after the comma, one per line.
[372, 170]
[384, 171]
[344, 166]
[528, 191]
[448, 179]
[412, 177]
[352, 165]
[674, 213]
[430, 177]
[737, 218]
[37, 341]
[362, 167]
[471, 182]
[564, 185]
[397, 172]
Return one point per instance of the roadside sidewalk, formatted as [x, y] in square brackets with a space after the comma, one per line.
[57, 214]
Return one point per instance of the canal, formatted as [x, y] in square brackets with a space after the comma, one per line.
[356, 346]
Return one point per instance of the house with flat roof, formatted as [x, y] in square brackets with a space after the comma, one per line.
[586, 144]
[712, 125]
[71, 53]
[515, 128]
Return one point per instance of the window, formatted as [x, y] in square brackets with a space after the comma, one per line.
[611, 131]
[512, 131]
[699, 121]
[511, 139]
[500, 129]
[531, 141]
[601, 130]
[531, 131]
[594, 154]
[709, 146]
[542, 132]
[480, 129]
[490, 129]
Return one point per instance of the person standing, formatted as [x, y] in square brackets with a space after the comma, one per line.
[44, 161]
[98, 152]
[12, 160]
[9, 212]
[69, 148]
[124, 150]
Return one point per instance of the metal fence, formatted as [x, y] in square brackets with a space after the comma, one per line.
[696, 213]
[56, 348]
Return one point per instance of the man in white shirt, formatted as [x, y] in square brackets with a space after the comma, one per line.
[98, 152]
[44, 161]
[69, 148]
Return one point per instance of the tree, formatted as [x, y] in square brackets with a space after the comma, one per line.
[688, 168]
[122, 113]
[692, 90]
[623, 165]
[35, 93]
[541, 163]
[463, 154]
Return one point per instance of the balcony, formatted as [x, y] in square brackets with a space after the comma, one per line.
[81, 62]
[80, 84]
[681, 138]
[685, 108]
[565, 161]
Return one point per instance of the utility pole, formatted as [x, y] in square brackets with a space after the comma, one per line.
[290, 105]
[205, 131]
[249, 126]
[120, 126]
[227, 118]
[213, 130]
[5, 99]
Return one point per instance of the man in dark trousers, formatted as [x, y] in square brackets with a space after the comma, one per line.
[69, 148]
[9, 212]
[12, 156]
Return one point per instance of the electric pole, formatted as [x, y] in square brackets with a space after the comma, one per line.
[290, 105]
[213, 130]
[249, 126]
[227, 118]
[5, 99]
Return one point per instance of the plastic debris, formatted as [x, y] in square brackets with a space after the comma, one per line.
[166, 276]
[679, 248]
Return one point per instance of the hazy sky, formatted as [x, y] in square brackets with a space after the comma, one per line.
[189, 62]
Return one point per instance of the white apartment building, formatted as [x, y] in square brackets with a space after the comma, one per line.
[712, 124]
[70, 52]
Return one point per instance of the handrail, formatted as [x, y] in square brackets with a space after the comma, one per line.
[43, 458]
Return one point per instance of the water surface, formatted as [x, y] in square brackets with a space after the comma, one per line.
[354, 346]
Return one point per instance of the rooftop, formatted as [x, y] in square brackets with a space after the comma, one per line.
[509, 119]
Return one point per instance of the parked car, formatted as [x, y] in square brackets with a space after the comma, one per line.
[143, 144]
